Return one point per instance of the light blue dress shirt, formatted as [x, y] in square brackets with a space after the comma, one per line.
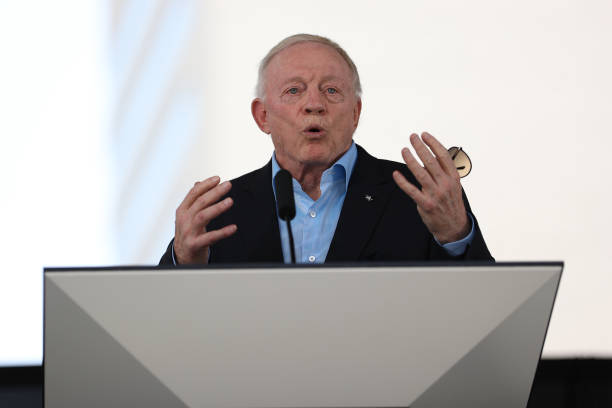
[315, 221]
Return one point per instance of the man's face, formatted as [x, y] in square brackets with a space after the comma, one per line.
[310, 108]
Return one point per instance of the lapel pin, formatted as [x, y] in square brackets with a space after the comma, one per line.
[368, 198]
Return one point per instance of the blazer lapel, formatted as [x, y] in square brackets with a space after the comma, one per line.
[368, 192]
[259, 222]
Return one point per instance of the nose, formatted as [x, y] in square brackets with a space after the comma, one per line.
[315, 105]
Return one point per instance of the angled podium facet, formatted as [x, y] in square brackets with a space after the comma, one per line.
[345, 336]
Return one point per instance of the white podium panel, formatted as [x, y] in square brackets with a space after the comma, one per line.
[349, 336]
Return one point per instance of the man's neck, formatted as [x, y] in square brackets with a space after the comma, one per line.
[308, 174]
[309, 178]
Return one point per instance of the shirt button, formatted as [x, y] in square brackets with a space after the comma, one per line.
[311, 258]
[313, 214]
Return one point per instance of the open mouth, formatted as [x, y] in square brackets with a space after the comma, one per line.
[314, 130]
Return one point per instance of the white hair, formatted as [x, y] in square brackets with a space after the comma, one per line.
[300, 38]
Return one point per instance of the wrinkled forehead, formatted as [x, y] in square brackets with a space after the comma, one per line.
[307, 58]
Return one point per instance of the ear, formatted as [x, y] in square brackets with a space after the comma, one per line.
[258, 110]
[356, 113]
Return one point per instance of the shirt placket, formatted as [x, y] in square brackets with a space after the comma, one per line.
[311, 234]
[314, 222]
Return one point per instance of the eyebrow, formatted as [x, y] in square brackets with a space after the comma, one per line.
[301, 79]
[331, 77]
[293, 79]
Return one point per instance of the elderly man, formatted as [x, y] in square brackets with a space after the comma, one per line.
[350, 205]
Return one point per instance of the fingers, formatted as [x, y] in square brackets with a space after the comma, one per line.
[195, 249]
[198, 209]
[441, 153]
[211, 196]
[429, 160]
[420, 173]
[409, 188]
[207, 214]
[197, 190]
[212, 237]
[439, 201]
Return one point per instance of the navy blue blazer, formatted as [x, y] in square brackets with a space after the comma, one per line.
[386, 228]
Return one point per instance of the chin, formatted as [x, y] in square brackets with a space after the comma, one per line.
[317, 154]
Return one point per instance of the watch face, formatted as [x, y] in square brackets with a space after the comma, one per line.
[462, 161]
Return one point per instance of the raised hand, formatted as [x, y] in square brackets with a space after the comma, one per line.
[192, 239]
[439, 201]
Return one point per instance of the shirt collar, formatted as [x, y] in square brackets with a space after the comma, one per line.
[347, 161]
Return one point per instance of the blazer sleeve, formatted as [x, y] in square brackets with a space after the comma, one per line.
[166, 259]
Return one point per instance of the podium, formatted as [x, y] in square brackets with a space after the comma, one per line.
[418, 335]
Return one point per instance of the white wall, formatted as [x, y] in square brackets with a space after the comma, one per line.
[523, 86]
[53, 158]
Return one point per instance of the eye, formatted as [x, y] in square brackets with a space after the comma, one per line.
[331, 91]
[293, 90]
